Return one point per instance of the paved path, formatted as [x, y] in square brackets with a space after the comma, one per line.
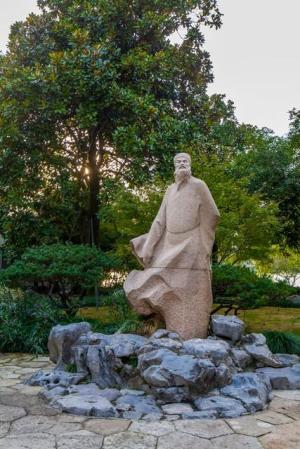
[27, 422]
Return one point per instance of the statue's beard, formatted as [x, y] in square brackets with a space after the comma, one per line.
[182, 174]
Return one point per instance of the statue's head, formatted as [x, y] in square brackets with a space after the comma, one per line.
[182, 162]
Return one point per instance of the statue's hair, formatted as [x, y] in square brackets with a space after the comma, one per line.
[182, 154]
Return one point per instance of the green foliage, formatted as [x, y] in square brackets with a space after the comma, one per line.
[64, 270]
[248, 225]
[93, 92]
[243, 287]
[70, 368]
[271, 167]
[283, 342]
[284, 263]
[26, 321]
[124, 317]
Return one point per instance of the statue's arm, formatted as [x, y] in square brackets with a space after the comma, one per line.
[209, 217]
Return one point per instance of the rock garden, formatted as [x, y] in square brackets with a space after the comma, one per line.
[162, 377]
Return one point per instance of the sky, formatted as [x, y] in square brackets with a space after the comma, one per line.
[255, 56]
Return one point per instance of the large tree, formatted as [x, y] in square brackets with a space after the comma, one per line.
[93, 91]
[271, 168]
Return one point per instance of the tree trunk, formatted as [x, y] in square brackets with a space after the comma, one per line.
[94, 181]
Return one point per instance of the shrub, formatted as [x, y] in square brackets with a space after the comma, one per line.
[242, 286]
[283, 342]
[25, 321]
[124, 317]
[64, 271]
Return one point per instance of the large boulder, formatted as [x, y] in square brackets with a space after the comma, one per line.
[137, 403]
[223, 406]
[251, 389]
[288, 359]
[55, 378]
[283, 378]
[218, 351]
[88, 405]
[123, 345]
[126, 345]
[256, 346]
[230, 327]
[61, 341]
[164, 368]
[103, 365]
[240, 358]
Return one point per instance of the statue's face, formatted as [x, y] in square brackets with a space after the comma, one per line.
[182, 163]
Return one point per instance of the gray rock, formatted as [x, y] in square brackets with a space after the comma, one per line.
[252, 389]
[288, 359]
[111, 394]
[103, 365]
[91, 389]
[216, 350]
[164, 333]
[283, 378]
[241, 358]
[126, 391]
[93, 338]
[164, 368]
[255, 345]
[56, 392]
[61, 341]
[153, 417]
[126, 345]
[132, 415]
[168, 343]
[141, 404]
[222, 406]
[123, 407]
[227, 326]
[80, 353]
[254, 339]
[206, 414]
[177, 409]
[171, 394]
[55, 379]
[86, 405]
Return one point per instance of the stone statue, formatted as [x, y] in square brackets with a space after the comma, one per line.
[176, 281]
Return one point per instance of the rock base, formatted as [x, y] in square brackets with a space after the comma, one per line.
[163, 377]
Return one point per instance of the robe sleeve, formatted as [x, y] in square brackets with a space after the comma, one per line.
[144, 245]
[209, 217]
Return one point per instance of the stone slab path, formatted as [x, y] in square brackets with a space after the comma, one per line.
[27, 422]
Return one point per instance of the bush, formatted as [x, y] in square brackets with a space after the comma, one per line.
[26, 321]
[283, 342]
[242, 286]
[64, 271]
[124, 317]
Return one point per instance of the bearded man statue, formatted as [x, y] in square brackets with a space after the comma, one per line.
[176, 281]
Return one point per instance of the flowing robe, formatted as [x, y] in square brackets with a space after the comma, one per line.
[176, 280]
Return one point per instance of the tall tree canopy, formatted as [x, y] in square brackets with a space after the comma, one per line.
[93, 91]
[271, 166]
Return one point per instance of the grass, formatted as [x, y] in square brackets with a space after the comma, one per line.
[272, 319]
[257, 320]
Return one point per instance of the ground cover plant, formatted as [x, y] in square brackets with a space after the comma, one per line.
[283, 342]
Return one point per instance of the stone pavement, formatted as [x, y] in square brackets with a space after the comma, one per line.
[27, 422]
